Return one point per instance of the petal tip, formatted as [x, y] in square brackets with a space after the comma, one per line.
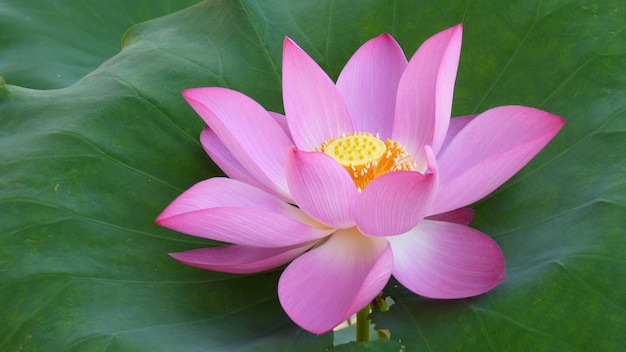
[186, 92]
[288, 45]
[192, 93]
[561, 121]
[386, 37]
[160, 220]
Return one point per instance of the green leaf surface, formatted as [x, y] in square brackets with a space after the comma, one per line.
[84, 170]
[51, 44]
[374, 346]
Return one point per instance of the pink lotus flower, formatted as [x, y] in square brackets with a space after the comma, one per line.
[363, 179]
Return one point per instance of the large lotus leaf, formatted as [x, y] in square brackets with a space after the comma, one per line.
[51, 44]
[84, 171]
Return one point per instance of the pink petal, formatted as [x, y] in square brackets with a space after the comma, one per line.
[368, 84]
[461, 216]
[238, 259]
[228, 210]
[315, 110]
[456, 125]
[281, 120]
[425, 93]
[224, 159]
[325, 286]
[489, 150]
[446, 260]
[396, 202]
[223, 192]
[247, 131]
[245, 226]
[321, 187]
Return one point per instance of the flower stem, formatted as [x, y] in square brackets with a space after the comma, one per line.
[363, 324]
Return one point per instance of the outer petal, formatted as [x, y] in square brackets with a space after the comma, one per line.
[461, 216]
[396, 202]
[224, 192]
[321, 187]
[456, 125]
[247, 130]
[425, 93]
[281, 120]
[325, 286]
[238, 259]
[227, 210]
[446, 260]
[369, 82]
[489, 150]
[315, 110]
[245, 226]
[223, 158]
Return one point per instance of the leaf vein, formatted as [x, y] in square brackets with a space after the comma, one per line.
[519, 324]
[510, 61]
[47, 301]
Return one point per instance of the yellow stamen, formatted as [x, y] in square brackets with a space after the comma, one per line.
[366, 157]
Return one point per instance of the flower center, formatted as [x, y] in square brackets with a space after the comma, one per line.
[366, 157]
[356, 150]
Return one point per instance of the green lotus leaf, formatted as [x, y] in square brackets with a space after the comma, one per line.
[90, 158]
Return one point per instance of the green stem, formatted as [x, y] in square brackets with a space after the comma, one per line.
[363, 324]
